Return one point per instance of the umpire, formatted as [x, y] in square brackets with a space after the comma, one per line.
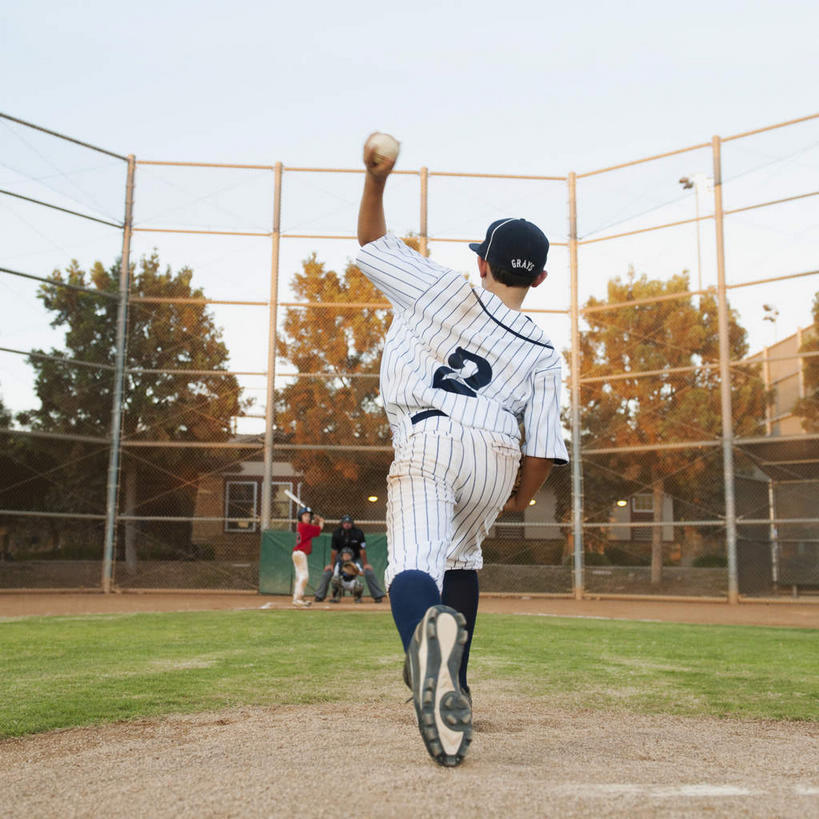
[349, 537]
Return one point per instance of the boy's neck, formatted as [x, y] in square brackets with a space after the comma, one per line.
[512, 297]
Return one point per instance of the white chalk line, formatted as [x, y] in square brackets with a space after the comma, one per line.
[690, 791]
[587, 617]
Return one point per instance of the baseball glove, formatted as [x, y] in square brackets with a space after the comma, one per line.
[350, 568]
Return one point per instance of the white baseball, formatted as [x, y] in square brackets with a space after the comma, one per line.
[386, 147]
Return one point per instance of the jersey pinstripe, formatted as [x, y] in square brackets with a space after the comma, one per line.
[463, 352]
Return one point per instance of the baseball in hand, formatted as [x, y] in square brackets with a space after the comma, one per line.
[385, 147]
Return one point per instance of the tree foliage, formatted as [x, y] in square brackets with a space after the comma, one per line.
[335, 400]
[674, 404]
[157, 406]
[25, 478]
[161, 336]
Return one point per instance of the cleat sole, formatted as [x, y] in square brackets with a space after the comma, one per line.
[443, 711]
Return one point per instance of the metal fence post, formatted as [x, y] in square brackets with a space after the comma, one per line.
[423, 239]
[577, 470]
[119, 375]
[725, 382]
[273, 314]
[773, 534]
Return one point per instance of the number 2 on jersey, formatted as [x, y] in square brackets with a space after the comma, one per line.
[446, 378]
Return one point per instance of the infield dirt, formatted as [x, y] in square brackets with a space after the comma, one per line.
[802, 614]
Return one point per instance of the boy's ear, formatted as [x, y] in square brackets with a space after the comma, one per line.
[540, 279]
[483, 267]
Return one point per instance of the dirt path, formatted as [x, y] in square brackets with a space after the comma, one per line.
[526, 760]
[803, 614]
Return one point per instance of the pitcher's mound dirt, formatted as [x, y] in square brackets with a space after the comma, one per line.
[367, 759]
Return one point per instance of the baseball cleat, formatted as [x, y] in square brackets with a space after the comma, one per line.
[433, 660]
[467, 692]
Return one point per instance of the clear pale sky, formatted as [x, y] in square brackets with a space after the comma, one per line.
[515, 87]
[504, 85]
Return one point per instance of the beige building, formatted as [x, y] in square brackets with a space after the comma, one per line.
[783, 372]
[790, 460]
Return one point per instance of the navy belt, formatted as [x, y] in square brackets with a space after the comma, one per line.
[430, 413]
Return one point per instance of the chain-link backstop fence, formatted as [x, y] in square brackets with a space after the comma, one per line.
[155, 412]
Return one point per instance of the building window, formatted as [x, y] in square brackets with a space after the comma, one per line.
[642, 503]
[282, 505]
[241, 506]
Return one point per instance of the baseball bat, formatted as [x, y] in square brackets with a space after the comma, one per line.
[295, 498]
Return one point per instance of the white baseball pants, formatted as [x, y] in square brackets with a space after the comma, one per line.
[446, 487]
[302, 574]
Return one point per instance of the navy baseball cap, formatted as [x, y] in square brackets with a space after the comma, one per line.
[346, 519]
[515, 244]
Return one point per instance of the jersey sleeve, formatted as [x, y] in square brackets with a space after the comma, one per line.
[399, 272]
[541, 418]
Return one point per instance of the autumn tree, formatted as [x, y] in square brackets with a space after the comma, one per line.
[808, 407]
[158, 405]
[335, 400]
[676, 339]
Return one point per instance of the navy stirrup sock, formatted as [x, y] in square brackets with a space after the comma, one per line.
[412, 592]
[461, 593]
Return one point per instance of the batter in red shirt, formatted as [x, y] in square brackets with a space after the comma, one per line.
[304, 545]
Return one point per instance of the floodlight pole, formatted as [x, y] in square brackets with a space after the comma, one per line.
[725, 382]
[112, 484]
[273, 311]
[577, 468]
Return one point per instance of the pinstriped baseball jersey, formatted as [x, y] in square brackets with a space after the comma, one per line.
[463, 352]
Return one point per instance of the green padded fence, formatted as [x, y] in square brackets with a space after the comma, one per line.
[276, 564]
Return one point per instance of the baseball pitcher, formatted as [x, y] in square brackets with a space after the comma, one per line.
[462, 370]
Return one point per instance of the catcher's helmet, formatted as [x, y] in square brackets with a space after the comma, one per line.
[303, 510]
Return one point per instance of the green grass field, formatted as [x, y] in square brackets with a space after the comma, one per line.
[59, 672]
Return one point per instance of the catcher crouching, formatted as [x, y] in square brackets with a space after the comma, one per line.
[347, 577]
[349, 539]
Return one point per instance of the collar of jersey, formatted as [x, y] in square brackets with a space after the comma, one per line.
[523, 321]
